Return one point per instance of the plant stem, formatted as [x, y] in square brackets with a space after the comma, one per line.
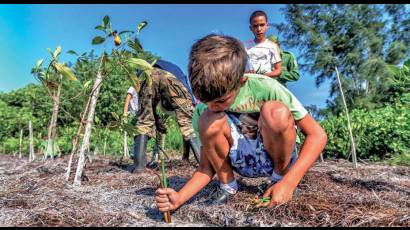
[88, 126]
[164, 184]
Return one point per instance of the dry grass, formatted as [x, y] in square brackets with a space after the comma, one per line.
[332, 194]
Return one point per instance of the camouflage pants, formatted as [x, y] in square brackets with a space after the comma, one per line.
[172, 96]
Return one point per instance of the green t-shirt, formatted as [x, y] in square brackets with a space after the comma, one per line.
[257, 90]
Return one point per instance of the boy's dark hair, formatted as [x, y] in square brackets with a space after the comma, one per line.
[256, 14]
[216, 65]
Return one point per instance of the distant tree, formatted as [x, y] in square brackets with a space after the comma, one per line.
[398, 85]
[360, 39]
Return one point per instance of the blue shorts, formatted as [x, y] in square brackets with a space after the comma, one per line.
[248, 156]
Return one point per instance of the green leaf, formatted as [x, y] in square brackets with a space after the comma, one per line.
[128, 38]
[97, 120]
[50, 51]
[126, 31]
[130, 129]
[407, 63]
[65, 71]
[87, 84]
[154, 61]
[57, 52]
[72, 52]
[141, 25]
[139, 64]
[113, 125]
[39, 63]
[98, 40]
[136, 45]
[102, 28]
[109, 27]
[106, 20]
[115, 116]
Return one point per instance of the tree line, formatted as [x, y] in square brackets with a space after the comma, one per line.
[369, 44]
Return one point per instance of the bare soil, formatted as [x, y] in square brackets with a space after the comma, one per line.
[332, 194]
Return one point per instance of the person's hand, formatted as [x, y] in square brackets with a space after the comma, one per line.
[250, 71]
[279, 193]
[167, 199]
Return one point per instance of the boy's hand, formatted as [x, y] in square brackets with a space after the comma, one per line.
[167, 199]
[279, 193]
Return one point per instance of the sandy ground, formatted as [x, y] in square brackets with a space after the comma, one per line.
[332, 194]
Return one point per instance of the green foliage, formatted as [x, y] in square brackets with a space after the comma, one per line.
[397, 84]
[361, 40]
[11, 145]
[141, 25]
[400, 159]
[32, 101]
[379, 134]
[173, 139]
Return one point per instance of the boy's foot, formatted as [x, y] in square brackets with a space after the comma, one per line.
[218, 197]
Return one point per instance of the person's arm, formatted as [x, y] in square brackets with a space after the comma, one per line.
[126, 103]
[276, 72]
[276, 61]
[168, 199]
[313, 145]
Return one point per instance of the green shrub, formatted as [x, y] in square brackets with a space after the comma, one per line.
[379, 134]
[173, 139]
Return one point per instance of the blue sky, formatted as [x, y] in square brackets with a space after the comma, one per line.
[28, 30]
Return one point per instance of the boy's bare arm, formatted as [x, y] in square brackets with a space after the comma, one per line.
[168, 199]
[276, 72]
[126, 103]
[202, 176]
[313, 145]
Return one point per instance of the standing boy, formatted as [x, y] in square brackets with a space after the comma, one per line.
[246, 124]
[263, 54]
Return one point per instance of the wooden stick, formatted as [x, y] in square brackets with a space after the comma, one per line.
[31, 154]
[354, 159]
[21, 143]
[167, 215]
[126, 152]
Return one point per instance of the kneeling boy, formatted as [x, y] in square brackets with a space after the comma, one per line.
[246, 124]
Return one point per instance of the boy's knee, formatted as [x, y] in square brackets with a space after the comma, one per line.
[210, 124]
[276, 116]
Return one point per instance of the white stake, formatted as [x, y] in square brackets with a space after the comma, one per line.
[21, 142]
[354, 159]
[30, 130]
[126, 153]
